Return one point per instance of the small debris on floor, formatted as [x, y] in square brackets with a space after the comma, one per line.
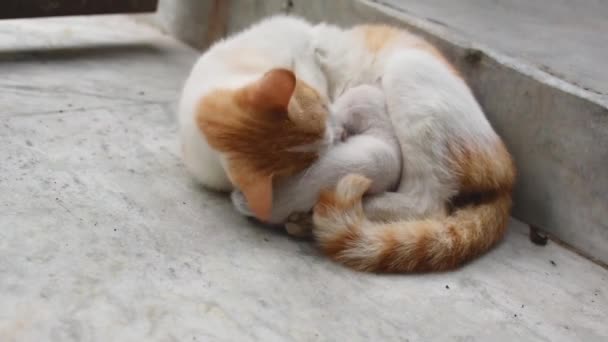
[538, 238]
[266, 239]
[522, 306]
[447, 287]
[552, 262]
[515, 315]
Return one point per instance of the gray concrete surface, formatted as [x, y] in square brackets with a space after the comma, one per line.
[546, 99]
[103, 236]
[563, 37]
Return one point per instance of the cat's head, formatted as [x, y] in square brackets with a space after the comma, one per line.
[269, 129]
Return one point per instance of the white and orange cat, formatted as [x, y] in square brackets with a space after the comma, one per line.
[242, 109]
[453, 197]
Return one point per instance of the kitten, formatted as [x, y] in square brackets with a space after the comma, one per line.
[370, 148]
[243, 110]
[454, 194]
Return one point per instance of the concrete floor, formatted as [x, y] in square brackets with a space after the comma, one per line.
[103, 236]
[565, 38]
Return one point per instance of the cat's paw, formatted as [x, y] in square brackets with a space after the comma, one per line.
[299, 225]
[240, 203]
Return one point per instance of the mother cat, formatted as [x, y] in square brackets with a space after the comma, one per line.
[454, 195]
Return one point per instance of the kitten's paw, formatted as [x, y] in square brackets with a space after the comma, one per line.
[240, 203]
[299, 224]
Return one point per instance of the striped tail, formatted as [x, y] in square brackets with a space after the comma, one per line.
[347, 236]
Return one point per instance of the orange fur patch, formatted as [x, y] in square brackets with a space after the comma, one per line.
[390, 252]
[483, 169]
[341, 242]
[379, 38]
[255, 127]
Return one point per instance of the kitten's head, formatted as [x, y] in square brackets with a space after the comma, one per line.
[271, 128]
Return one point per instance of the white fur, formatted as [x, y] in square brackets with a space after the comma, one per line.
[429, 107]
[277, 42]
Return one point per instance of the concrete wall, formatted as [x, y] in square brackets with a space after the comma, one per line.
[558, 133]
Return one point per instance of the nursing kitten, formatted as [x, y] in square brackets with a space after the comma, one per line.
[243, 109]
[370, 148]
[454, 194]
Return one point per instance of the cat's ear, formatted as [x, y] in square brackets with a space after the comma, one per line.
[257, 189]
[259, 197]
[272, 92]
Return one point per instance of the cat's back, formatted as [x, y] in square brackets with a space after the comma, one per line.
[271, 43]
[242, 58]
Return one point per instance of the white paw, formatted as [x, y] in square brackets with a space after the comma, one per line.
[240, 203]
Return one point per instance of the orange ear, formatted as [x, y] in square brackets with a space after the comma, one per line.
[273, 91]
[256, 187]
[259, 197]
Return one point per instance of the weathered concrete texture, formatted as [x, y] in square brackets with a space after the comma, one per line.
[103, 236]
[198, 23]
[556, 129]
[187, 20]
[50, 66]
[562, 37]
